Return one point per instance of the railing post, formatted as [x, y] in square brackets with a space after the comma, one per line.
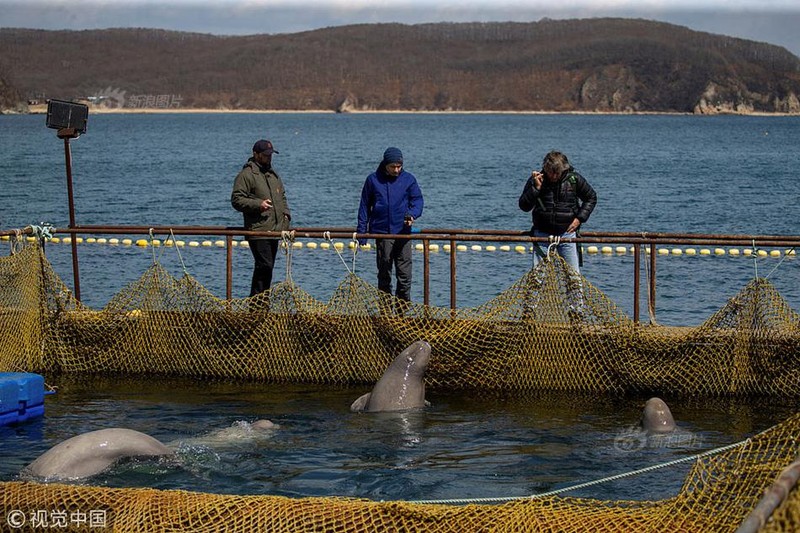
[229, 267]
[452, 274]
[426, 272]
[636, 280]
[651, 303]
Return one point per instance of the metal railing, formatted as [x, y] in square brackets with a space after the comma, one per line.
[650, 242]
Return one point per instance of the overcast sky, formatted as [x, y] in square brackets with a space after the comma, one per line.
[772, 21]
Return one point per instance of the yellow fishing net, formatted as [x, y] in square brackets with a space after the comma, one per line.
[717, 495]
[551, 330]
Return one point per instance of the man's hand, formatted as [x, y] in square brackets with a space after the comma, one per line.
[409, 220]
[574, 226]
[537, 178]
[266, 205]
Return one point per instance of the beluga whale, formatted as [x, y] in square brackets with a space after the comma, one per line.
[90, 453]
[656, 417]
[402, 385]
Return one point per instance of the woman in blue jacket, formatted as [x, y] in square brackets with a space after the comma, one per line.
[391, 201]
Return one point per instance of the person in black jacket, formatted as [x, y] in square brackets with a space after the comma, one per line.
[561, 200]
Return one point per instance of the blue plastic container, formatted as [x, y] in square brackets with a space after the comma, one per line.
[21, 397]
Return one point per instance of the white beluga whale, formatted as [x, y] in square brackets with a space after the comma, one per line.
[402, 385]
[240, 433]
[90, 453]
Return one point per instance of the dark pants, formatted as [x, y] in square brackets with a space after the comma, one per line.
[397, 253]
[264, 252]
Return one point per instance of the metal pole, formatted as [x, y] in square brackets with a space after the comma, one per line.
[651, 304]
[67, 134]
[452, 274]
[636, 281]
[426, 272]
[229, 267]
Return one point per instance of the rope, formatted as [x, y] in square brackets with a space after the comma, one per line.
[588, 483]
[327, 236]
[45, 231]
[355, 250]
[178, 250]
[555, 241]
[17, 245]
[288, 238]
[151, 245]
[755, 258]
[650, 309]
[790, 250]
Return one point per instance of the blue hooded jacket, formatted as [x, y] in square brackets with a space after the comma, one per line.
[385, 202]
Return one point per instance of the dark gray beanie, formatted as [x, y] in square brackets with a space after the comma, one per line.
[392, 155]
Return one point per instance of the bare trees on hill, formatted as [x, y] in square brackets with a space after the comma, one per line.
[572, 65]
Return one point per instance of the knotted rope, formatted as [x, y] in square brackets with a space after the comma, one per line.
[287, 238]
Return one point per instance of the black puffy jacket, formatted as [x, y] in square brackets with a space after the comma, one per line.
[557, 204]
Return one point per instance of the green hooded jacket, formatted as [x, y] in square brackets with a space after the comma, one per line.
[250, 188]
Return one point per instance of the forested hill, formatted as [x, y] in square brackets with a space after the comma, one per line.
[620, 65]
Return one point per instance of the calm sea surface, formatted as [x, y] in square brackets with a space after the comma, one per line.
[732, 175]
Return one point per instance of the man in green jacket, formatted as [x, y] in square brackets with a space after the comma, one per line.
[259, 194]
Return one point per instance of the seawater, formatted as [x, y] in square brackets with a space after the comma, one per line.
[462, 447]
[721, 174]
[724, 174]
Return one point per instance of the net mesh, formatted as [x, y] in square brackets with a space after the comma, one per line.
[552, 330]
[718, 493]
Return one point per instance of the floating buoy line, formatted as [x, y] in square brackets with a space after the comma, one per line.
[340, 245]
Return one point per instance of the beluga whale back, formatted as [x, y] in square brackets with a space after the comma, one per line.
[90, 453]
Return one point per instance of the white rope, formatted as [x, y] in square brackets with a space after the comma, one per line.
[177, 249]
[355, 251]
[17, 244]
[650, 310]
[42, 232]
[327, 236]
[790, 250]
[755, 258]
[152, 238]
[288, 239]
[45, 231]
[555, 241]
[584, 485]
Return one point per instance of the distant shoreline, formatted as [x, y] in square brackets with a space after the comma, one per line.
[42, 109]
